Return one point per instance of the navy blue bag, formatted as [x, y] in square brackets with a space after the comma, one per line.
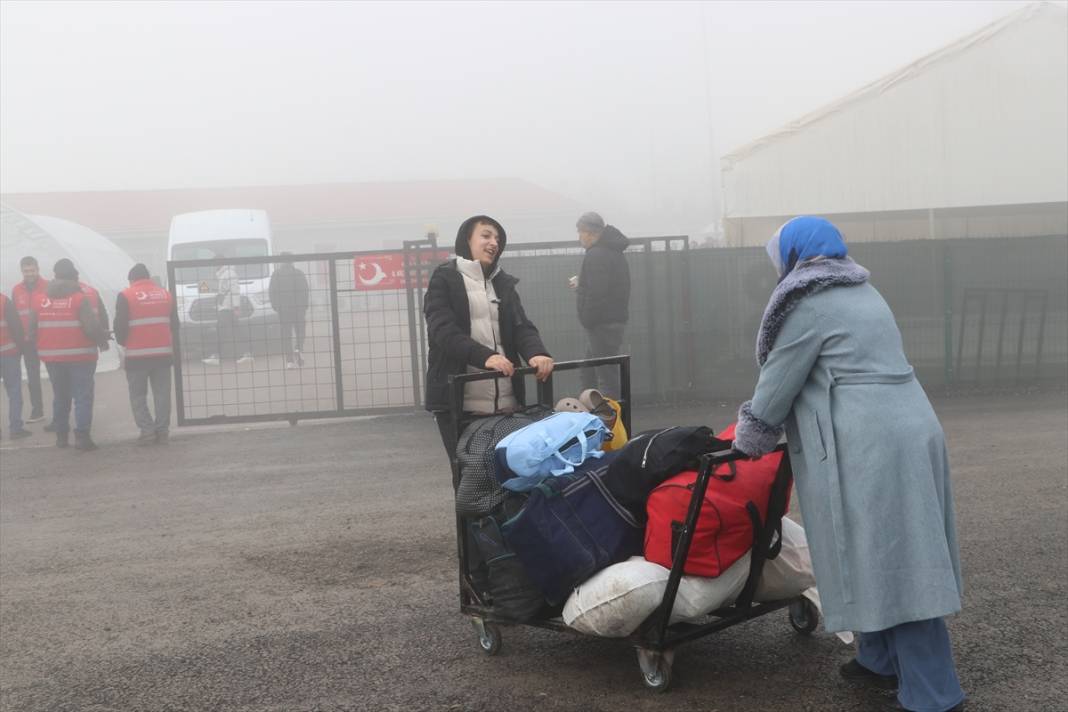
[570, 528]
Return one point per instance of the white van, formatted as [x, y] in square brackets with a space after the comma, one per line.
[214, 234]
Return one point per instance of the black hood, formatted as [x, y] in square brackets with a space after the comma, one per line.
[612, 239]
[59, 288]
[463, 249]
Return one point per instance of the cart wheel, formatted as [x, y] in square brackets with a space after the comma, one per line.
[489, 636]
[655, 669]
[804, 616]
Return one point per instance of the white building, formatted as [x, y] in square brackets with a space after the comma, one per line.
[970, 141]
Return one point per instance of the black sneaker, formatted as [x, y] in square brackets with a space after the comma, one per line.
[146, 439]
[855, 672]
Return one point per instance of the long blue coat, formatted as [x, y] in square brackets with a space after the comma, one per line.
[867, 451]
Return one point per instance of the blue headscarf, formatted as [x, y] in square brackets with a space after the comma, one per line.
[803, 238]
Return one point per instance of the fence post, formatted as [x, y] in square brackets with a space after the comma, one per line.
[947, 314]
[176, 348]
[335, 324]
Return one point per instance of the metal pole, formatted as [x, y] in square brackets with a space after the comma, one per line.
[947, 314]
[1020, 338]
[1041, 335]
[179, 385]
[335, 325]
[414, 348]
[1001, 332]
[982, 333]
[650, 319]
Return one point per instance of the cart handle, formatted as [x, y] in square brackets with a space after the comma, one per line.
[530, 370]
[722, 457]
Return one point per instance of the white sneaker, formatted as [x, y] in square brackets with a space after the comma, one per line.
[212, 360]
[247, 358]
[290, 364]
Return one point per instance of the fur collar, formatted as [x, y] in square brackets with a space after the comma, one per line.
[807, 278]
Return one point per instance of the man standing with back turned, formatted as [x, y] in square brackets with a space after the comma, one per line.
[603, 292]
[145, 319]
[68, 326]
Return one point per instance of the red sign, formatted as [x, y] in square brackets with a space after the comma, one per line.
[386, 270]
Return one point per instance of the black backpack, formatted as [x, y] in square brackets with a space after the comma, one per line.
[652, 456]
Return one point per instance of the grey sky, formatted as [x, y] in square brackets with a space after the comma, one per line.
[613, 104]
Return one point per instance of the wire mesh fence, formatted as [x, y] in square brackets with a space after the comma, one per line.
[302, 336]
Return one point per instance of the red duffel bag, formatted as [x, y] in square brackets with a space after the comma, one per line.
[737, 493]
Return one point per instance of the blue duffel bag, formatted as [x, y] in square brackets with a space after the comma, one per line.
[570, 528]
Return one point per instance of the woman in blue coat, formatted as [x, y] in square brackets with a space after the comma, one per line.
[869, 462]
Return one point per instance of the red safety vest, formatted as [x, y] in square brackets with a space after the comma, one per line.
[59, 331]
[94, 297]
[7, 345]
[150, 320]
[23, 299]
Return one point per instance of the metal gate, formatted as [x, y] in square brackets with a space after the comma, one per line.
[357, 344]
[351, 343]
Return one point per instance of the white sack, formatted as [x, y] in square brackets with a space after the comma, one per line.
[790, 573]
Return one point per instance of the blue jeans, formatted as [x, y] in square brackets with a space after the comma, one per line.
[72, 381]
[920, 655]
[11, 373]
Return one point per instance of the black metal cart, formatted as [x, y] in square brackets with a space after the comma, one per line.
[657, 638]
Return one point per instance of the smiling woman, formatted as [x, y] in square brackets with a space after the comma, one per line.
[475, 321]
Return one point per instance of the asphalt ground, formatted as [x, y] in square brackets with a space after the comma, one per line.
[314, 568]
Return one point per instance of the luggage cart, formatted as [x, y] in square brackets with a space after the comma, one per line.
[657, 638]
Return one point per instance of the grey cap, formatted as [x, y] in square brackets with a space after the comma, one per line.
[591, 222]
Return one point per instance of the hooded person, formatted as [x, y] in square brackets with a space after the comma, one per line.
[869, 460]
[475, 322]
[288, 293]
[146, 319]
[69, 327]
[602, 298]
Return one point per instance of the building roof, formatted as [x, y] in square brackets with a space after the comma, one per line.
[134, 211]
[981, 122]
[904, 74]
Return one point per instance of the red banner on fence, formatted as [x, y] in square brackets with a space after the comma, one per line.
[386, 270]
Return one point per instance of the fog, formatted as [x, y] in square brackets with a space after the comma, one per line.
[623, 107]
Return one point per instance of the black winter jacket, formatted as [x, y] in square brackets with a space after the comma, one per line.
[288, 292]
[448, 326]
[604, 282]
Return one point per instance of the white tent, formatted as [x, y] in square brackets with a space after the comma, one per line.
[969, 141]
[98, 261]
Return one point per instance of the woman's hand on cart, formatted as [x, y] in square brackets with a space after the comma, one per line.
[496, 362]
[543, 366]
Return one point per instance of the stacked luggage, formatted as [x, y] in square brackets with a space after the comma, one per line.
[565, 516]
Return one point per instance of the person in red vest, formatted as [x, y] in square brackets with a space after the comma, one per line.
[11, 347]
[145, 319]
[32, 285]
[67, 324]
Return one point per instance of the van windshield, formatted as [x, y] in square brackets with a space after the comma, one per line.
[216, 249]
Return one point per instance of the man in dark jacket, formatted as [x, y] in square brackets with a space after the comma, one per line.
[603, 292]
[289, 298]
